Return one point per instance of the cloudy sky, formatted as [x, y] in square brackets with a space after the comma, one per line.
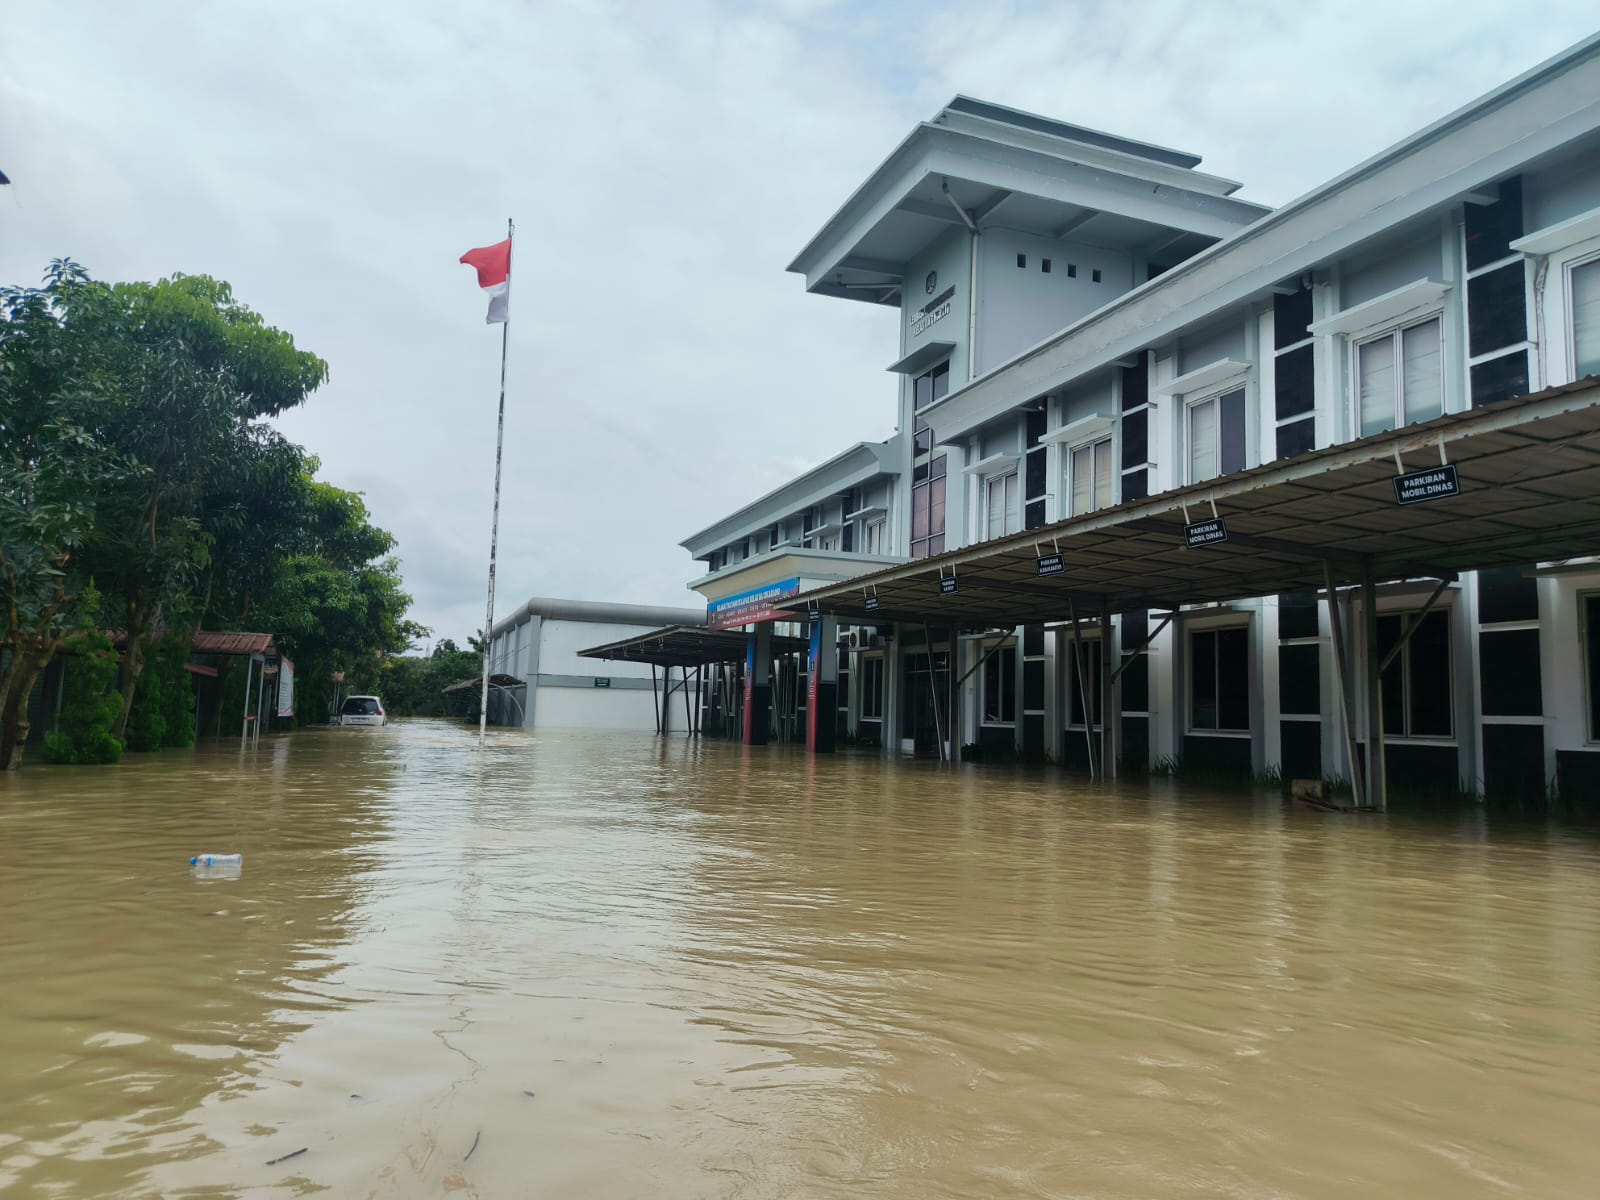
[664, 161]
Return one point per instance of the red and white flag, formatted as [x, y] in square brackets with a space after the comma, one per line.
[493, 264]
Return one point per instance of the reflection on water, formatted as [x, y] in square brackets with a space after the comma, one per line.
[602, 966]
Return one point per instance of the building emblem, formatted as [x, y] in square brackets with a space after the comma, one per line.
[931, 282]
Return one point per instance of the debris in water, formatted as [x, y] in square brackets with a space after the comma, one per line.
[526, 1092]
[272, 1162]
[475, 1138]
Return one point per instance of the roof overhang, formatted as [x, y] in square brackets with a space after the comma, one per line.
[686, 646]
[813, 567]
[861, 463]
[1047, 178]
[1529, 472]
[1534, 115]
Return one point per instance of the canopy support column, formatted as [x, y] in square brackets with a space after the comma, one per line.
[1083, 686]
[655, 698]
[1109, 708]
[933, 690]
[1341, 671]
[954, 708]
[1377, 784]
[822, 687]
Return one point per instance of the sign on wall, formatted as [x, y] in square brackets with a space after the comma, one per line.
[1051, 564]
[758, 604]
[285, 688]
[931, 313]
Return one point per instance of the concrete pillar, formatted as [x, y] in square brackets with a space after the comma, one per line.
[822, 687]
[758, 685]
[1377, 790]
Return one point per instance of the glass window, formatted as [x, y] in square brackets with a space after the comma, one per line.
[1000, 687]
[927, 513]
[1586, 319]
[873, 538]
[1002, 514]
[1219, 679]
[1399, 378]
[1091, 679]
[1417, 689]
[1216, 436]
[1090, 477]
[872, 688]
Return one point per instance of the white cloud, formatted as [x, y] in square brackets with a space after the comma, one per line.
[664, 163]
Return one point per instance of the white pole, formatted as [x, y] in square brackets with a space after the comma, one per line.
[494, 527]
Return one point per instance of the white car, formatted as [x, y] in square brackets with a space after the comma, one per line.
[361, 710]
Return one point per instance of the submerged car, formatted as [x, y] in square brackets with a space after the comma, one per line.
[361, 710]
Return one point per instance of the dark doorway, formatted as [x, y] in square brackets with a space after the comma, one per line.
[920, 721]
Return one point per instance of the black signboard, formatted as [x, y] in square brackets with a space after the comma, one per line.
[947, 584]
[602, 681]
[1433, 484]
[871, 604]
[1051, 564]
[1205, 533]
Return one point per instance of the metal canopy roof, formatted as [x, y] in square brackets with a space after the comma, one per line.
[686, 646]
[1529, 473]
[476, 682]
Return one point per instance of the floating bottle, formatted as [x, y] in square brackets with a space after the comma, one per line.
[217, 860]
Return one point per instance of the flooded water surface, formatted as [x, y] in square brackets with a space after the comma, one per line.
[616, 966]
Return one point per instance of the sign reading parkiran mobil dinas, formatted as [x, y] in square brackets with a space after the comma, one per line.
[1435, 483]
[758, 604]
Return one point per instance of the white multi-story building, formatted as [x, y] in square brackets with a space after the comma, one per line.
[1089, 321]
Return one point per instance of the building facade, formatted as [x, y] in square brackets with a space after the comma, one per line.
[1088, 321]
[538, 645]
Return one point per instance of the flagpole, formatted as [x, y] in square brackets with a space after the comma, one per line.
[494, 526]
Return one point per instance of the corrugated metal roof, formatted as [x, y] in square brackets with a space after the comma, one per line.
[215, 642]
[1529, 474]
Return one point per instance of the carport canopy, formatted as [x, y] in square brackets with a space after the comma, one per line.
[686, 646]
[1529, 492]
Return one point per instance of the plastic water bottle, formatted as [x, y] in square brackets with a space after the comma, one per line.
[217, 860]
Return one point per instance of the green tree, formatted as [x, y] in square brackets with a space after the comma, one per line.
[187, 375]
[54, 465]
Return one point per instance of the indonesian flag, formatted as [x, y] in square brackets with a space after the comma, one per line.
[493, 264]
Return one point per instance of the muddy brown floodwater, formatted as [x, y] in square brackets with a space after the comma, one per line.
[616, 966]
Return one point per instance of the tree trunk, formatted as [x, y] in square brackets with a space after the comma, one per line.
[132, 665]
[25, 670]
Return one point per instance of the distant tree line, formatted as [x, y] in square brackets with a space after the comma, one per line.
[144, 495]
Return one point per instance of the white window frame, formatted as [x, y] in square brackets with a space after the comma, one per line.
[1091, 665]
[1570, 324]
[872, 536]
[1447, 610]
[1250, 668]
[983, 689]
[865, 676]
[1069, 473]
[1396, 334]
[1590, 737]
[1214, 395]
[1014, 475]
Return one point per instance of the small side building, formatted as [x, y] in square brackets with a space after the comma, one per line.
[538, 645]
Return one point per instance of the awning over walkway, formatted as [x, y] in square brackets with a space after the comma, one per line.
[685, 646]
[1529, 479]
[476, 683]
